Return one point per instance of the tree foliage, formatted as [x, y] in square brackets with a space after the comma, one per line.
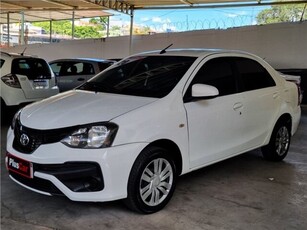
[101, 22]
[282, 13]
[96, 28]
[65, 27]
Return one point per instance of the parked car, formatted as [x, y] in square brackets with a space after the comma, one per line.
[130, 131]
[25, 79]
[73, 72]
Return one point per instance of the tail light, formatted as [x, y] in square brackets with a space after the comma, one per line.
[11, 80]
[299, 91]
[300, 94]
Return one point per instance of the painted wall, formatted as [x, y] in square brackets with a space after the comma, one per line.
[282, 45]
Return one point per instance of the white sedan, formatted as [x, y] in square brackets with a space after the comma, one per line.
[130, 131]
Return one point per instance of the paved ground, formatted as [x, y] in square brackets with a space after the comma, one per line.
[245, 192]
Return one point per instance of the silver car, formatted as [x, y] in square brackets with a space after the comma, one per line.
[73, 72]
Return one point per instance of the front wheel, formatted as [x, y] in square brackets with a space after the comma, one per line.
[152, 181]
[279, 144]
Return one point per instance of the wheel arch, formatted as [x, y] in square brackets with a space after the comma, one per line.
[286, 117]
[277, 147]
[173, 150]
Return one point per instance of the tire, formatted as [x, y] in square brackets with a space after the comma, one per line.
[152, 181]
[279, 144]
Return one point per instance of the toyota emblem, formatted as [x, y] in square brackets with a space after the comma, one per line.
[24, 139]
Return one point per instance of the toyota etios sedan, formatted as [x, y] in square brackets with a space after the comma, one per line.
[130, 131]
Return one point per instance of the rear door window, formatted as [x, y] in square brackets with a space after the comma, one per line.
[253, 75]
[33, 68]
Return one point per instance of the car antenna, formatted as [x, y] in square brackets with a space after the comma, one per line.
[22, 53]
[164, 50]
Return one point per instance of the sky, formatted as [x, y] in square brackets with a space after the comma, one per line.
[190, 19]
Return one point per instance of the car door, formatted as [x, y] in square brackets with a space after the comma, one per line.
[214, 125]
[261, 100]
[71, 74]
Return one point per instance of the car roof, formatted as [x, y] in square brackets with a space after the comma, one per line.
[193, 52]
[15, 55]
[82, 59]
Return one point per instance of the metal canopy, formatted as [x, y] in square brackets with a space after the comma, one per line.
[36, 16]
[47, 10]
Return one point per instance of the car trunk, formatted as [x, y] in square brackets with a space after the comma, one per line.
[34, 76]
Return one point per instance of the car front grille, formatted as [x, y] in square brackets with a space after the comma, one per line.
[27, 140]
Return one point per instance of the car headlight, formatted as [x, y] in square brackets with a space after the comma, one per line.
[15, 118]
[92, 137]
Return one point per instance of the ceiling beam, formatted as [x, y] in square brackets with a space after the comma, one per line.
[31, 15]
[222, 5]
[117, 5]
[13, 5]
[53, 9]
[89, 2]
[59, 3]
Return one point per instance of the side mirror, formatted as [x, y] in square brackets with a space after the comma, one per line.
[202, 91]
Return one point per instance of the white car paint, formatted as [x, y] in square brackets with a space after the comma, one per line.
[81, 107]
[28, 91]
[205, 131]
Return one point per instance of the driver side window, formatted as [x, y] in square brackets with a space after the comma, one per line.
[219, 73]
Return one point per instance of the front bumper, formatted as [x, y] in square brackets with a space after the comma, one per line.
[79, 174]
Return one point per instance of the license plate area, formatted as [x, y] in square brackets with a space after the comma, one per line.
[19, 166]
[40, 84]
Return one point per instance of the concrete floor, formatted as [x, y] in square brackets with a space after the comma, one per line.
[245, 192]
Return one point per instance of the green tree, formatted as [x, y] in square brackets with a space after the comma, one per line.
[65, 27]
[86, 32]
[102, 22]
[282, 13]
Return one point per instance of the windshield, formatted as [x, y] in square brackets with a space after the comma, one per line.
[146, 76]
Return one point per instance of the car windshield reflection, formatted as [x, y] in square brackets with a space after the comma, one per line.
[151, 76]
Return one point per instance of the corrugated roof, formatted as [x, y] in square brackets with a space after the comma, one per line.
[46, 10]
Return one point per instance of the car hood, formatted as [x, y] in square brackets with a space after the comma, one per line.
[78, 107]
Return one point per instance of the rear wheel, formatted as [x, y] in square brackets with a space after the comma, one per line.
[279, 144]
[152, 181]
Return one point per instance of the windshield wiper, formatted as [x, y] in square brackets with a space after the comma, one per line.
[93, 86]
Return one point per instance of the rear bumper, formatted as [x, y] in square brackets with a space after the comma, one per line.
[296, 117]
[15, 96]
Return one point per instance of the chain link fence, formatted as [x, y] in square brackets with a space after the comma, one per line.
[205, 24]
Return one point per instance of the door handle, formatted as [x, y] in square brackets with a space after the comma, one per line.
[237, 106]
[80, 79]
